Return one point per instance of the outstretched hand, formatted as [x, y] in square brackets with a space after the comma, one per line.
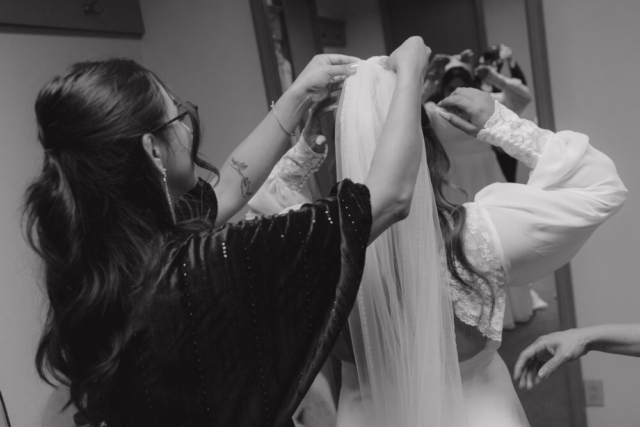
[324, 74]
[468, 109]
[546, 355]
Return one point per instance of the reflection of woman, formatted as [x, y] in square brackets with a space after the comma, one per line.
[153, 321]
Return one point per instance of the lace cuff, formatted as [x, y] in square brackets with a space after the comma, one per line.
[480, 301]
[297, 164]
[519, 138]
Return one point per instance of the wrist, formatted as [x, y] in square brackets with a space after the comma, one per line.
[290, 109]
[299, 97]
[410, 72]
[591, 338]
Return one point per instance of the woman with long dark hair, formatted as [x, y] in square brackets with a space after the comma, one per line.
[157, 319]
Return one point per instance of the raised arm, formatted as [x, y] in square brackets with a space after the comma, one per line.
[395, 164]
[250, 163]
[572, 189]
[515, 94]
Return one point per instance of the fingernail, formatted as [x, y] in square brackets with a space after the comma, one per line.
[354, 67]
[444, 115]
[542, 374]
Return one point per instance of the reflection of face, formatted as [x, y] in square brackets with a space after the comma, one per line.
[452, 85]
[181, 171]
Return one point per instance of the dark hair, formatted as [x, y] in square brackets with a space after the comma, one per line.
[492, 57]
[99, 218]
[448, 76]
[451, 216]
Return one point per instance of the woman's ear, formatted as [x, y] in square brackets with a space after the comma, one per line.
[153, 150]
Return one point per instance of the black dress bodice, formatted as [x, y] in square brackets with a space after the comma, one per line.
[244, 317]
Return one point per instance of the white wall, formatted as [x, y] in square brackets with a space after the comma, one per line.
[207, 52]
[594, 61]
[364, 26]
[29, 61]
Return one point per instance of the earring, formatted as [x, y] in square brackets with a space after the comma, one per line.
[166, 189]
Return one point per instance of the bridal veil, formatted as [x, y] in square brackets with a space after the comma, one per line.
[402, 326]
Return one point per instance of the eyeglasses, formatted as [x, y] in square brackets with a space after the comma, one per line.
[187, 112]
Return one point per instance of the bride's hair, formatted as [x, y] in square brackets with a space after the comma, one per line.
[450, 215]
[99, 218]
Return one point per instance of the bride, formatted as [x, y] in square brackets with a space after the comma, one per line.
[511, 234]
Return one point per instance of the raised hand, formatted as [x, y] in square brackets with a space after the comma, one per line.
[411, 56]
[468, 109]
[547, 354]
[323, 75]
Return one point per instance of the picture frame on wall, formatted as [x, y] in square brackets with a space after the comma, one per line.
[108, 17]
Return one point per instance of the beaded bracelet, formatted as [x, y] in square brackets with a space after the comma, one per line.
[273, 110]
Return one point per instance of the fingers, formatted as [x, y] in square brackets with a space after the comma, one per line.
[526, 357]
[552, 365]
[337, 59]
[460, 123]
[342, 70]
[457, 100]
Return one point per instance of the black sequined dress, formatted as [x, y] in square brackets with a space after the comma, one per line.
[245, 316]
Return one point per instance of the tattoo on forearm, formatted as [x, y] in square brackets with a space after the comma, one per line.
[245, 183]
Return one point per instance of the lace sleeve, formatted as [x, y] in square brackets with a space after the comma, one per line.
[297, 165]
[519, 138]
[480, 302]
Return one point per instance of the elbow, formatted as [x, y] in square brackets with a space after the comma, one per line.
[401, 207]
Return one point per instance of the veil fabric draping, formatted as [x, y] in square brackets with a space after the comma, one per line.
[402, 326]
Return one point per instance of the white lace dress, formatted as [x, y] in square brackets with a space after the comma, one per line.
[473, 167]
[516, 234]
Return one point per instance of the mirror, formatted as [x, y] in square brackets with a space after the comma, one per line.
[297, 29]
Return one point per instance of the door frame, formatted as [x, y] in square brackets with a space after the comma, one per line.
[546, 119]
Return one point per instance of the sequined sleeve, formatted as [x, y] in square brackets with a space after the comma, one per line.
[260, 305]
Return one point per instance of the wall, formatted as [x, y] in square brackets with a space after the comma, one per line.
[29, 61]
[364, 27]
[206, 51]
[594, 64]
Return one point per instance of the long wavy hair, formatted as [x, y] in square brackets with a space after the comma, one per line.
[99, 218]
[451, 216]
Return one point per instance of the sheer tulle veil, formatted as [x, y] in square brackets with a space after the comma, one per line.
[402, 326]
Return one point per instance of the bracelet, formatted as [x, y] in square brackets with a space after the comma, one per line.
[273, 110]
